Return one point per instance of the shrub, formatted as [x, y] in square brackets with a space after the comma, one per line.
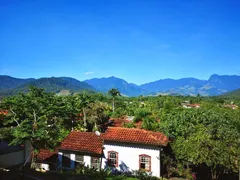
[140, 114]
[143, 175]
[129, 125]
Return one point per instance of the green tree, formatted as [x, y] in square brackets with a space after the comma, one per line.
[83, 102]
[205, 136]
[114, 92]
[96, 115]
[37, 119]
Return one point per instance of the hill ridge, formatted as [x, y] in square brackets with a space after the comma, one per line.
[51, 84]
[215, 85]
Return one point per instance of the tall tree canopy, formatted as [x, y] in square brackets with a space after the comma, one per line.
[35, 117]
[209, 137]
[114, 92]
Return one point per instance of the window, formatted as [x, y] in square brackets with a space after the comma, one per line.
[112, 158]
[66, 161]
[78, 160]
[95, 162]
[145, 162]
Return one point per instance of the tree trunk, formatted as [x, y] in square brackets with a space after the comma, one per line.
[84, 118]
[33, 160]
[214, 174]
[113, 105]
[239, 173]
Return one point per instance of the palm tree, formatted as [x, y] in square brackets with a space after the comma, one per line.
[84, 100]
[114, 92]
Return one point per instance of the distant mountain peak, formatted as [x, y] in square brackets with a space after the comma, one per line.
[106, 83]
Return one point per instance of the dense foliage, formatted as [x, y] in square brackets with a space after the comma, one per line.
[205, 140]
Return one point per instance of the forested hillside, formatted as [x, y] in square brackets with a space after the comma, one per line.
[8, 82]
[128, 89]
[232, 95]
[53, 84]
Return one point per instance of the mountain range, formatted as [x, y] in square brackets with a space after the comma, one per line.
[215, 85]
[11, 86]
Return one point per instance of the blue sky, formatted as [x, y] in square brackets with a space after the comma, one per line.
[137, 40]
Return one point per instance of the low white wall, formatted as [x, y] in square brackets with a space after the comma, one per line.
[86, 159]
[11, 159]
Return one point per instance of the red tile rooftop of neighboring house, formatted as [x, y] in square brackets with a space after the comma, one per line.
[119, 122]
[82, 141]
[192, 105]
[3, 112]
[195, 105]
[232, 106]
[134, 135]
[47, 155]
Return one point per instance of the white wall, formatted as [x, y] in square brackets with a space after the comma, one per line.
[87, 159]
[129, 155]
[11, 159]
[72, 157]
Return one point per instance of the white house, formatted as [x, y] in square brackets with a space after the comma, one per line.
[80, 148]
[121, 149]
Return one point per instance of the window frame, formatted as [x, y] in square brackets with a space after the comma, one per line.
[149, 161]
[109, 158]
[77, 161]
[98, 162]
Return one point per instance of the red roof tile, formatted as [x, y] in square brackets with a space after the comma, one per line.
[91, 143]
[192, 105]
[82, 141]
[119, 122]
[134, 135]
[3, 112]
[45, 155]
[231, 106]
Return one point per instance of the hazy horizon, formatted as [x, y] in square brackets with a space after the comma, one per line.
[121, 78]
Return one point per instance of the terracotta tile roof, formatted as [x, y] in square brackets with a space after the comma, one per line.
[47, 155]
[138, 124]
[119, 122]
[82, 141]
[134, 135]
[191, 105]
[232, 106]
[3, 112]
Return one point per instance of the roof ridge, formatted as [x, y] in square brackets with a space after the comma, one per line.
[135, 135]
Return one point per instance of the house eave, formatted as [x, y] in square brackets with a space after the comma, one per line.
[134, 143]
[79, 152]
